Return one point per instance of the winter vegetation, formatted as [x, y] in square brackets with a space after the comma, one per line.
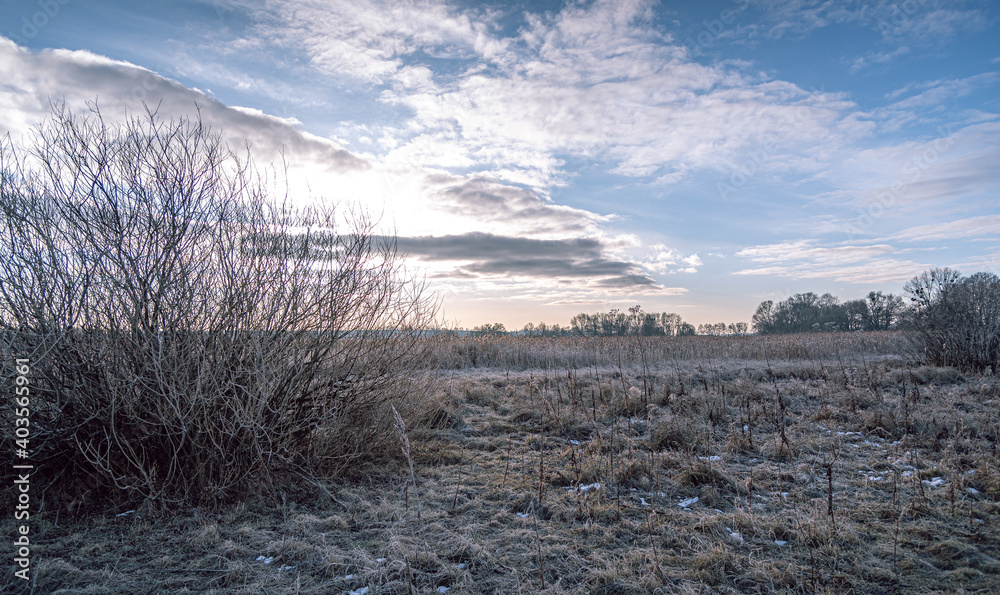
[806, 312]
[230, 395]
[189, 333]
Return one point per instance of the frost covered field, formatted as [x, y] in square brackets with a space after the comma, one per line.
[810, 463]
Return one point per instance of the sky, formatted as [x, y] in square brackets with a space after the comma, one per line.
[541, 159]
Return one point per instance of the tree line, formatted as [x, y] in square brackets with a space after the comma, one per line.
[617, 323]
[805, 312]
[953, 320]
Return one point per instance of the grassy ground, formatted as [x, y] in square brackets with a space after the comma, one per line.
[860, 473]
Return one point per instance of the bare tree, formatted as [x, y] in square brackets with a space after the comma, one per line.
[188, 330]
[882, 311]
[957, 319]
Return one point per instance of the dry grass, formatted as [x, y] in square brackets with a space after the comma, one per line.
[834, 471]
[518, 353]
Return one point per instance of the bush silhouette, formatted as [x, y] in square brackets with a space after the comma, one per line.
[188, 332]
[957, 319]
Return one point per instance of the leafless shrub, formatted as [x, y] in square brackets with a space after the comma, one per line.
[957, 319]
[188, 331]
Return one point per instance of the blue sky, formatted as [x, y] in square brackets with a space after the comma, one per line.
[541, 159]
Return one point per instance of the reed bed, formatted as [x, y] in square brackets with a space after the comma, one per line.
[524, 353]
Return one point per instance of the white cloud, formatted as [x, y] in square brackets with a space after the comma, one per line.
[597, 81]
[935, 93]
[884, 271]
[879, 191]
[877, 58]
[810, 250]
[663, 260]
[925, 21]
[807, 259]
[985, 225]
[368, 39]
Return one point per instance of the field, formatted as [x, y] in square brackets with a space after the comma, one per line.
[811, 463]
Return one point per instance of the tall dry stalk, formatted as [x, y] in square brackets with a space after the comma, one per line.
[405, 447]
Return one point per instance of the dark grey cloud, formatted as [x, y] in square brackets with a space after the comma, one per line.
[479, 246]
[552, 267]
[33, 79]
[488, 200]
[580, 259]
[626, 281]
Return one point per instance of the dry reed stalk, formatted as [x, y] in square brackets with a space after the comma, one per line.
[405, 446]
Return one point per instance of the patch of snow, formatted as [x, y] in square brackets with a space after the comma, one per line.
[361, 591]
[780, 543]
[523, 515]
[265, 560]
[443, 589]
[875, 478]
[126, 513]
[904, 460]
[972, 491]
[687, 503]
[575, 442]
[935, 482]
[462, 566]
[380, 560]
[712, 458]
[643, 501]
[286, 568]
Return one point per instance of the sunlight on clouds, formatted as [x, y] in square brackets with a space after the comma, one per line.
[490, 222]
